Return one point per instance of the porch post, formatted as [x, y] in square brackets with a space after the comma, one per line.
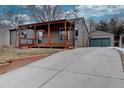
[70, 37]
[19, 37]
[65, 35]
[34, 40]
[49, 35]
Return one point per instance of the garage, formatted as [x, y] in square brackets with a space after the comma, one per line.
[100, 42]
[101, 39]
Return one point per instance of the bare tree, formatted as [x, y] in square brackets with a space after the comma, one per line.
[113, 25]
[102, 26]
[3, 23]
[46, 12]
[92, 25]
[72, 14]
[11, 19]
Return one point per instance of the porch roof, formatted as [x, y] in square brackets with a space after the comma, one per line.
[45, 24]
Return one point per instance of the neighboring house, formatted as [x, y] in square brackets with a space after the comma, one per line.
[121, 41]
[60, 33]
[4, 37]
[101, 39]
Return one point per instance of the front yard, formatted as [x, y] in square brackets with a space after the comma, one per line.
[12, 58]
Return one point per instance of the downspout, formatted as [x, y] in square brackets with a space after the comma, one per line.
[87, 32]
[10, 38]
[74, 35]
[83, 38]
[65, 46]
[83, 35]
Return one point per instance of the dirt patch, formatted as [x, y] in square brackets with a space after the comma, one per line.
[15, 58]
[19, 62]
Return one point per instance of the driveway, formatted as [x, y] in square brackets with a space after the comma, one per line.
[81, 67]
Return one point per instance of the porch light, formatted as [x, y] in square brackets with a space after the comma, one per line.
[76, 28]
[30, 26]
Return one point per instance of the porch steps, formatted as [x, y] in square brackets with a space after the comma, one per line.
[71, 46]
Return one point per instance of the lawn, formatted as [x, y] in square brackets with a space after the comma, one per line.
[12, 58]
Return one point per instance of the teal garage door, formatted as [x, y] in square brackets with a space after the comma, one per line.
[100, 42]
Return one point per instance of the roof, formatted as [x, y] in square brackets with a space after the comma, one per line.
[45, 23]
[100, 33]
[79, 18]
[83, 20]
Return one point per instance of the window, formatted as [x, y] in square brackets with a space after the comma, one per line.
[61, 35]
[76, 31]
[40, 37]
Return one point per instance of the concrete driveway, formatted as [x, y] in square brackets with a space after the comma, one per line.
[81, 67]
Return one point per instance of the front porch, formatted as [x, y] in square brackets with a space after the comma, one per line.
[47, 34]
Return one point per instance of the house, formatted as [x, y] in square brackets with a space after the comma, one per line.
[82, 35]
[57, 33]
[101, 39]
[60, 33]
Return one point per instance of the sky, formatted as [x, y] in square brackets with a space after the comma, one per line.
[96, 12]
[101, 11]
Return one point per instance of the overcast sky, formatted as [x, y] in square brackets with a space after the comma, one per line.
[101, 12]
